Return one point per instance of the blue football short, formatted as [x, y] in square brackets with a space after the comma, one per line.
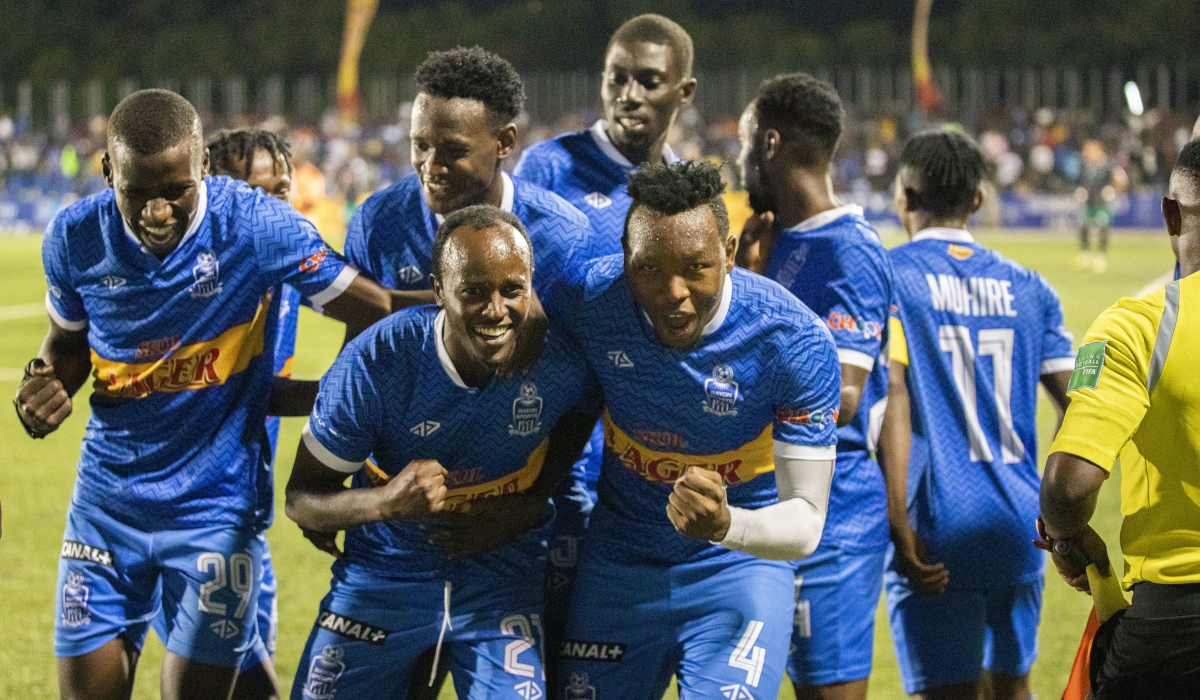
[950, 638]
[721, 624]
[834, 629]
[370, 631]
[113, 578]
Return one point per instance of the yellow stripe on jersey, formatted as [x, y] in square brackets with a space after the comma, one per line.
[515, 482]
[1134, 395]
[736, 466]
[187, 367]
[897, 343]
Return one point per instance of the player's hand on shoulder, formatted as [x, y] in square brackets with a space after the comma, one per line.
[417, 491]
[484, 524]
[324, 541]
[42, 402]
[912, 561]
[697, 507]
[530, 340]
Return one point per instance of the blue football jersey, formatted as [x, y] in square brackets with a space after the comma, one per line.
[977, 331]
[285, 306]
[395, 396]
[587, 170]
[765, 371]
[180, 350]
[390, 237]
[836, 264]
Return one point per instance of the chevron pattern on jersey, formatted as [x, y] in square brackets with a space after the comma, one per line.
[199, 456]
[771, 353]
[575, 168]
[842, 272]
[964, 506]
[391, 235]
[387, 396]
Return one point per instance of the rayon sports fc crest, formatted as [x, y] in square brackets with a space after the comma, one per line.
[75, 602]
[579, 688]
[324, 672]
[721, 392]
[207, 274]
[526, 412]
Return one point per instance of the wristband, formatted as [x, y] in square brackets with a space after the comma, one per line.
[29, 367]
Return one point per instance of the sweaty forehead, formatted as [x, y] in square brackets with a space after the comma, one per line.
[641, 55]
[471, 251]
[686, 234]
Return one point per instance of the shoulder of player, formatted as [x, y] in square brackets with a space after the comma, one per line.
[551, 152]
[83, 216]
[405, 331]
[1129, 319]
[534, 204]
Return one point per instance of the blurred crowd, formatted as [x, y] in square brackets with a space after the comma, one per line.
[1038, 151]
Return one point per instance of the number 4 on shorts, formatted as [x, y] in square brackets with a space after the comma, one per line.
[747, 657]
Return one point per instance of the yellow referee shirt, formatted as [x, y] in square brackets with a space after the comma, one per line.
[1135, 393]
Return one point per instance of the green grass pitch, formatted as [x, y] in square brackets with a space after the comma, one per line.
[36, 479]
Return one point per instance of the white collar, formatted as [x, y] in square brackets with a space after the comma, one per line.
[827, 217]
[439, 326]
[193, 225]
[506, 199]
[599, 133]
[722, 308]
[954, 235]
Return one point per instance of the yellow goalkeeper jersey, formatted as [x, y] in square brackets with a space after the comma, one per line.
[1135, 394]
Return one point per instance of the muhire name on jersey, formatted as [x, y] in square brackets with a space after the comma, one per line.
[971, 296]
[592, 651]
[351, 628]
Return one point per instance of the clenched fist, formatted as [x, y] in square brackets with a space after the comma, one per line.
[42, 402]
[697, 507]
[417, 491]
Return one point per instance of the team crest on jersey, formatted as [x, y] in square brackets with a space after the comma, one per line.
[111, 282]
[579, 687]
[207, 274]
[409, 274]
[75, 602]
[526, 412]
[324, 672]
[736, 692]
[597, 200]
[721, 392]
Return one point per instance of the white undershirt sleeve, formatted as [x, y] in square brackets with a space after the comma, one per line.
[791, 528]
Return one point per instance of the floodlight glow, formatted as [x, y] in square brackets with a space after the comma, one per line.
[1133, 98]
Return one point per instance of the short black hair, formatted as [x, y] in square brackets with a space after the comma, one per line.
[679, 187]
[656, 29]
[232, 152]
[476, 217]
[804, 107]
[943, 170]
[151, 121]
[1188, 161]
[473, 74]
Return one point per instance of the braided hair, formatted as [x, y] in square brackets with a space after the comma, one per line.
[232, 152]
[940, 172]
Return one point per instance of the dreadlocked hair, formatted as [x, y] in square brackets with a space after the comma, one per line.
[941, 171]
[679, 187]
[232, 152]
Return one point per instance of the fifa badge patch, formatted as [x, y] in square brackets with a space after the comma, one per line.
[1088, 364]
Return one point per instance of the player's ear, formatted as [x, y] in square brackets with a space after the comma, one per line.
[1172, 216]
[436, 285]
[507, 137]
[979, 197]
[107, 169]
[687, 90]
[204, 163]
[771, 144]
[730, 253]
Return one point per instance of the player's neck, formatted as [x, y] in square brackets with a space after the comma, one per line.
[921, 221]
[494, 195]
[472, 373]
[640, 154]
[805, 194]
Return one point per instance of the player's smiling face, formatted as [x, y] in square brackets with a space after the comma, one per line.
[485, 287]
[676, 266]
[643, 89]
[158, 193]
[456, 151]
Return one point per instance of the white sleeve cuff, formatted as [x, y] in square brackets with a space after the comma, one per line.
[1058, 364]
[333, 291]
[324, 456]
[790, 451]
[855, 358]
[62, 322]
